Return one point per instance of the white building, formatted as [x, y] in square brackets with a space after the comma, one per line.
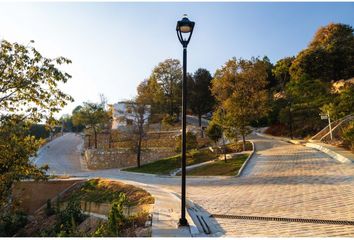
[123, 115]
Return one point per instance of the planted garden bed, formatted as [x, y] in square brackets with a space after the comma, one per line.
[95, 208]
[167, 165]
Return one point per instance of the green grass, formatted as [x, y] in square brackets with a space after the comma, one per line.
[220, 168]
[166, 165]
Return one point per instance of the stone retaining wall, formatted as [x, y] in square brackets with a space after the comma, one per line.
[123, 157]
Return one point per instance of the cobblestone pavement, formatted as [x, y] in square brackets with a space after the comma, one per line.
[282, 180]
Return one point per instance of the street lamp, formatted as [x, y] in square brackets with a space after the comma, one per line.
[184, 30]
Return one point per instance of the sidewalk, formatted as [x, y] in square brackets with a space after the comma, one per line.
[166, 213]
[337, 153]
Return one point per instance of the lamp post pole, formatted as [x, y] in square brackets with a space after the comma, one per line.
[184, 27]
[183, 220]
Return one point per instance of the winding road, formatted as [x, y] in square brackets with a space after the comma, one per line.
[281, 180]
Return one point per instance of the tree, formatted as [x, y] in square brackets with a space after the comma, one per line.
[139, 116]
[16, 148]
[29, 82]
[201, 100]
[93, 116]
[341, 103]
[239, 88]
[329, 56]
[29, 93]
[214, 131]
[307, 97]
[271, 81]
[151, 93]
[168, 74]
[281, 72]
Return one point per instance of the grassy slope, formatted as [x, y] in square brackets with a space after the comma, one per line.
[166, 165]
[106, 191]
[220, 168]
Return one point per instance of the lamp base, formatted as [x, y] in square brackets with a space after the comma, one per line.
[183, 222]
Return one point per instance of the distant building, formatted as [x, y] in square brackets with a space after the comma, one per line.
[123, 115]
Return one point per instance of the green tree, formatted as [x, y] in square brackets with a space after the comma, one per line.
[201, 100]
[168, 75]
[16, 149]
[307, 97]
[239, 88]
[283, 105]
[271, 81]
[281, 72]
[150, 92]
[29, 82]
[29, 93]
[348, 136]
[329, 56]
[214, 131]
[341, 102]
[93, 116]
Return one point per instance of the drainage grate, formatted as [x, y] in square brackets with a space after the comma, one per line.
[279, 219]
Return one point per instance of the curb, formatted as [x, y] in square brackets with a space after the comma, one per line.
[173, 174]
[329, 152]
[247, 160]
[193, 229]
[204, 224]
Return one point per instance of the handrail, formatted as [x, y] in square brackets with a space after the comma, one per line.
[335, 124]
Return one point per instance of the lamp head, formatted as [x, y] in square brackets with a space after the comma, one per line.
[184, 30]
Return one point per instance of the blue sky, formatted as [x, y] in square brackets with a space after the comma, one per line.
[114, 46]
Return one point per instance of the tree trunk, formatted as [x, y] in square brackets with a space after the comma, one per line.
[291, 123]
[244, 142]
[224, 149]
[200, 120]
[95, 138]
[138, 155]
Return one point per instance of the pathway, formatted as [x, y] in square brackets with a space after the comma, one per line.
[281, 180]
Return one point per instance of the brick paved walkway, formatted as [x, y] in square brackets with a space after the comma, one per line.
[282, 180]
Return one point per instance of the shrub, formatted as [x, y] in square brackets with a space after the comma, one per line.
[10, 224]
[214, 132]
[348, 136]
[169, 120]
[116, 220]
[69, 218]
[192, 142]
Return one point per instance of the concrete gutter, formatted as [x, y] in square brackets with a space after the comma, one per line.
[335, 155]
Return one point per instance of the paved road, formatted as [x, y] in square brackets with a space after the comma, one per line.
[281, 180]
[62, 154]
